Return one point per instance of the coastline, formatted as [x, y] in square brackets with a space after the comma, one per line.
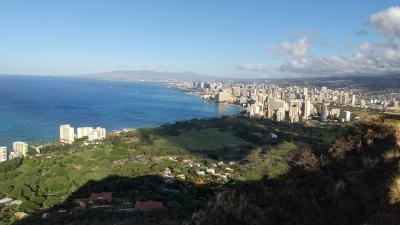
[197, 93]
[36, 133]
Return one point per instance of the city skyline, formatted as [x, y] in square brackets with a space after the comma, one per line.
[240, 40]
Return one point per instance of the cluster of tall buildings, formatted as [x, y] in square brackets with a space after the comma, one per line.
[289, 103]
[19, 149]
[68, 135]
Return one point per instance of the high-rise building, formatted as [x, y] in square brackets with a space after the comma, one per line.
[3, 154]
[83, 132]
[346, 98]
[256, 109]
[20, 147]
[321, 97]
[67, 134]
[305, 93]
[223, 96]
[275, 106]
[294, 113]
[324, 112]
[97, 134]
[341, 97]
[306, 108]
[280, 114]
[353, 100]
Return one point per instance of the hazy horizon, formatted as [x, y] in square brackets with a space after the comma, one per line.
[252, 39]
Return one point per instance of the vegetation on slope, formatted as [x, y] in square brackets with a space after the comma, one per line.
[131, 165]
[350, 183]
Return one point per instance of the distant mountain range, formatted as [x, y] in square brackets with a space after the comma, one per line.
[148, 75]
[372, 83]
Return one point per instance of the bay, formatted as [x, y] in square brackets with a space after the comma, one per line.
[33, 107]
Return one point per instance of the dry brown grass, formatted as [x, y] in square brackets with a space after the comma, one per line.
[394, 193]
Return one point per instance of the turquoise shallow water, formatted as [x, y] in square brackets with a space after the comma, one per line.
[32, 108]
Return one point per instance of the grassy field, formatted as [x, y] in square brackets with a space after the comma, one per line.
[208, 139]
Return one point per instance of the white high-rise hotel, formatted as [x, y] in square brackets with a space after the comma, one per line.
[67, 134]
[97, 134]
[83, 132]
[3, 154]
[20, 148]
[306, 108]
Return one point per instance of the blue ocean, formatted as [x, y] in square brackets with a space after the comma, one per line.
[33, 107]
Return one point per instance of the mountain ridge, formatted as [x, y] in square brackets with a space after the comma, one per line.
[149, 75]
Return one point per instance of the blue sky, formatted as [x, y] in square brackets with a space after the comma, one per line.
[212, 37]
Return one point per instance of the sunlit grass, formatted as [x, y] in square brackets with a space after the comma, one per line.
[394, 193]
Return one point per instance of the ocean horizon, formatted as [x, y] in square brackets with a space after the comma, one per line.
[33, 107]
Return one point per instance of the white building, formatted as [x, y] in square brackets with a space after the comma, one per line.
[256, 109]
[294, 112]
[67, 134]
[83, 132]
[20, 147]
[14, 155]
[3, 154]
[347, 116]
[97, 134]
[223, 96]
[306, 108]
[334, 112]
[280, 114]
[353, 100]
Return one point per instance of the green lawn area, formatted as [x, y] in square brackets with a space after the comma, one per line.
[208, 139]
[210, 143]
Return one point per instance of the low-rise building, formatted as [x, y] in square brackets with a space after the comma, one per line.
[100, 198]
[14, 155]
[148, 206]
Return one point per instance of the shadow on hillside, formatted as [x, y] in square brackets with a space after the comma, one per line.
[179, 198]
[255, 132]
[349, 184]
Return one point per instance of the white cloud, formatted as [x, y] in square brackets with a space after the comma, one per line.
[253, 67]
[371, 58]
[298, 49]
[387, 22]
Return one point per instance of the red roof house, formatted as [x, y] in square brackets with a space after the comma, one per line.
[148, 206]
[100, 198]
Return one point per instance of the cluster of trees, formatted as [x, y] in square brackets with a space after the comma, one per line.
[10, 165]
